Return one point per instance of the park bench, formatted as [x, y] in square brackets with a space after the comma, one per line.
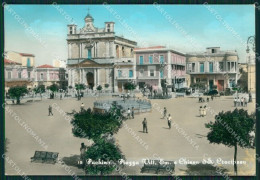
[45, 156]
[158, 167]
[180, 94]
[115, 95]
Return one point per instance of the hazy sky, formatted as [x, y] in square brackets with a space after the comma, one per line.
[149, 26]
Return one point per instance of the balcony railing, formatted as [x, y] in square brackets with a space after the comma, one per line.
[20, 79]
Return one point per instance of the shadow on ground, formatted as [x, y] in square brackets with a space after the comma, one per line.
[72, 160]
[204, 170]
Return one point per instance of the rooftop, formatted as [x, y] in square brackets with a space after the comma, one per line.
[46, 66]
[26, 54]
[7, 61]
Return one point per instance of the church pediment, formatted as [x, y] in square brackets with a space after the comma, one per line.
[88, 28]
[88, 63]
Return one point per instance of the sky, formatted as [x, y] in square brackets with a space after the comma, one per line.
[185, 28]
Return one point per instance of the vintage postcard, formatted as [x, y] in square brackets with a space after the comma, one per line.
[157, 90]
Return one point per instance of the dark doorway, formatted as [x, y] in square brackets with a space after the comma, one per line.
[90, 80]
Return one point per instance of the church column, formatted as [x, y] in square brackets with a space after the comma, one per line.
[107, 49]
[73, 78]
[98, 78]
[80, 50]
[95, 78]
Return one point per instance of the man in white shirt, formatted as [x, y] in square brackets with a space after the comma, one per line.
[169, 119]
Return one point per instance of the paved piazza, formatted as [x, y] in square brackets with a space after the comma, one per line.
[167, 144]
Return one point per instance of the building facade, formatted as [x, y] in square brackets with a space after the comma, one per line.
[18, 75]
[213, 68]
[93, 54]
[156, 63]
[47, 75]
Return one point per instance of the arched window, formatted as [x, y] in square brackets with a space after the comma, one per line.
[123, 51]
[117, 51]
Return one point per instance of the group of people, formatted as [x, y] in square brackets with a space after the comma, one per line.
[131, 113]
[240, 101]
[169, 121]
[202, 111]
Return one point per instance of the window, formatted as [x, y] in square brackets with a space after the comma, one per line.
[197, 80]
[231, 83]
[228, 66]
[210, 66]
[151, 59]
[152, 72]
[41, 76]
[89, 53]
[161, 59]
[161, 73]
[19, 75]
[29, 74]
[119, 73]
[213, 51]
[193, 67]
[221, 66]
[232, 66]
[9, 75]
[28, 62]
[141, 72]
[141, 59]
[123, 51]
[130, 73]
[70, 30]
[201, 67]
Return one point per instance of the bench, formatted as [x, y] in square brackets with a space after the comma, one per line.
[115, 95]
[157, 166]
[180, 94]
[45, 156]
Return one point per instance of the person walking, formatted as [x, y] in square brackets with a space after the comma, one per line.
[242, 101]
[145, 126]
[60, 96]
[83, 149]
[204, 111]
[133, 113]
[164, 112]
[207, 99]
[235, 102]
[169, 119]
[212, 97]
[128, 113]
[245, 102]
[200, 111]
[82, 107]
[50, 110]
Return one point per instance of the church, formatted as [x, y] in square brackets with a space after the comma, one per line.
[96, 56]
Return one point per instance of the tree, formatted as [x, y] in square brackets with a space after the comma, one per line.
[129, 86]
[94, 124]
[232, 129]
[53, 88]
[17, 92]
[99, 88]
[39, 89]
[243, 80]
[79, 87]
[103, 151]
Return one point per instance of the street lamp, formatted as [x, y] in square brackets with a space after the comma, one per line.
[162, 65]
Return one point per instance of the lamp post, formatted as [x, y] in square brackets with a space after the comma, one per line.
[250, 40]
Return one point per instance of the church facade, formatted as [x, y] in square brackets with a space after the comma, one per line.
[97, 55]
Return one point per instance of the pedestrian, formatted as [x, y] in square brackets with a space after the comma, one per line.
[164, 112]
[204, 111]
[207, 99]
[83, 149]
[133, 113]
[200, 111]
[246, 102]
[82, 107]
[239, 101]
[169, 119]
[60, 96]
[128, 113]
[212, 97]
[235, 102]
[145, 126]
[242, 101]
[50, 110]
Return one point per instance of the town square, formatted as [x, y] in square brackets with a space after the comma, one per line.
[97, 100]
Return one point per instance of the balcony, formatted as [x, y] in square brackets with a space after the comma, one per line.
[147, 77]
[19, 79]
